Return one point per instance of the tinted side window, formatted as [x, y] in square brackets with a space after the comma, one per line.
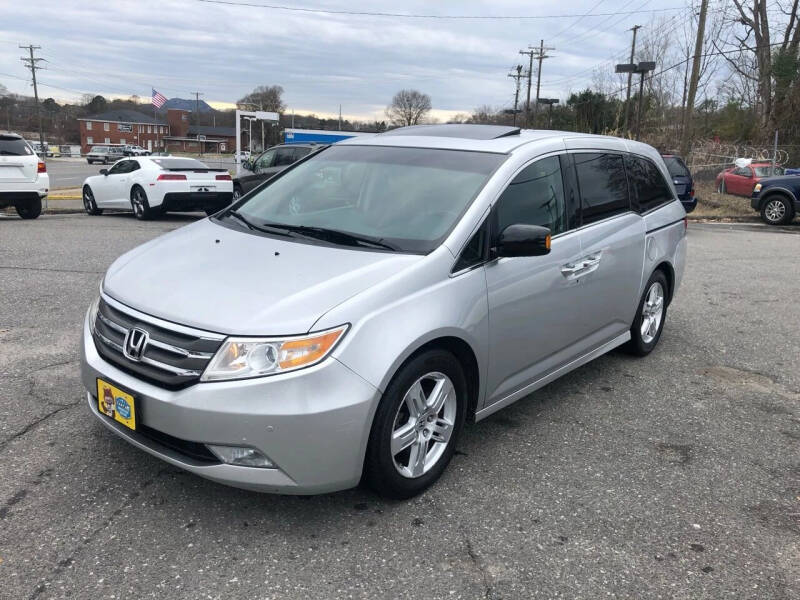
[119, 168]
[648, 188]
[301, 152]
[284, 156]
[534, 197]
[474, 252]
[603, 185]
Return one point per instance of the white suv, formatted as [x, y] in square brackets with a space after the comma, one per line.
[23, 177]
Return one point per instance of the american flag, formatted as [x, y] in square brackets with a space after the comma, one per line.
[158, 99]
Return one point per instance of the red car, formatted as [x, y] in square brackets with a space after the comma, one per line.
[740, 181]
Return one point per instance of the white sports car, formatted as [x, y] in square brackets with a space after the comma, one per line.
[153, 185]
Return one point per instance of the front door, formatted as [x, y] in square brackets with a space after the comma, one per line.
[532, 300]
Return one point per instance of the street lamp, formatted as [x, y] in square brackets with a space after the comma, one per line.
[549, 102]
[642, 68]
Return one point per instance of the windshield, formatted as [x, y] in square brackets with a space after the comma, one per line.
[676, 167]
[767, 171]
[407, 198]
[14, 146]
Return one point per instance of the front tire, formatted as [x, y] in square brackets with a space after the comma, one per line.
[140, 205]
[721, 188]
[776, 210]
[89, 203]
[417, 425]
[650, 316]
[30, 209]
[237, 193]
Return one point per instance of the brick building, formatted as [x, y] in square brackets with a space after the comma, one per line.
[185, 137]
[123, 127]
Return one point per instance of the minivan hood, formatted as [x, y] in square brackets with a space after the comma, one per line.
[223, 280]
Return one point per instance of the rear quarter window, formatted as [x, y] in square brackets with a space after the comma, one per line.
[603, 185]
[649, 190]
[14, 146]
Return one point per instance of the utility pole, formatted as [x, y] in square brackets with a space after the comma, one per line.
[33, 64]
[197, 118]
[516, 76]
[197, 106]
[530, 54]
[540, 55]
[698, 50]
[634, 29]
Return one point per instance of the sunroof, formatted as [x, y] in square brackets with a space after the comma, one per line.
[457, 130]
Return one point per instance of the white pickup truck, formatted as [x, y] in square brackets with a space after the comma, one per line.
[23, 177]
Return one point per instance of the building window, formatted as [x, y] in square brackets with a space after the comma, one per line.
[88, 125]
[108, 140]
[149, 129]
[106, 127]
[121, 140]
[90, 140]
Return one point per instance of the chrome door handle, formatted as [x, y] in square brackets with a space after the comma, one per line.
[585, 265]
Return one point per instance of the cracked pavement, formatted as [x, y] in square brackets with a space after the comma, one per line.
[673, 476]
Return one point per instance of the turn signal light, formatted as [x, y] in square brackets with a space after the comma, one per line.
[171, 177]
[225, 177]
[547, 242]
[42, 168]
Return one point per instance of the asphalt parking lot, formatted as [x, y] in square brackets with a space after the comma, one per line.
[673, 476]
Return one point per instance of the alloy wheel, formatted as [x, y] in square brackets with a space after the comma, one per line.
[423, 424]
[138, 203]
[652, 312]
[88, 201]
[774, 211]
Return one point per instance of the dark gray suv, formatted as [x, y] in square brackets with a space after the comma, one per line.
[268, 163]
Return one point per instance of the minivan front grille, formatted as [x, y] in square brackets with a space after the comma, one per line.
[168, 358]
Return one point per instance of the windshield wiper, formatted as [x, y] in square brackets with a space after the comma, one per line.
[265, 228]
[336, 236]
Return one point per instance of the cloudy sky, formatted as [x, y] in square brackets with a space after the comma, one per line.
[224, 49]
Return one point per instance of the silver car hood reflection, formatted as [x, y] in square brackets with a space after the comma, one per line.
[223, 280]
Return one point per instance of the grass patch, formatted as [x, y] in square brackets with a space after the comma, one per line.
[711, 203]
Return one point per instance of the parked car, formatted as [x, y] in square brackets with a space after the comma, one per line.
[682, 179]
[42, 150]
[777, 199]
[131, 150]
[23, 177]
[268, 163]
[740, 181]
[104, 154]
[347, 318]
[151, 186]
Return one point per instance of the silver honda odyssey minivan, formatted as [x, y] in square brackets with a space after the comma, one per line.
[343, 320]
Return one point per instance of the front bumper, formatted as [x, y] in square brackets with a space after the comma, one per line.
[313, 424]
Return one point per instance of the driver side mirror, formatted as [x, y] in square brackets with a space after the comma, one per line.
[523, 240]
[103, 171]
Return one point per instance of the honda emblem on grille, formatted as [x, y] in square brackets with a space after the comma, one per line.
[135, 343]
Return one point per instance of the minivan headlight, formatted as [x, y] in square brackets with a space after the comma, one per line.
[240, 358]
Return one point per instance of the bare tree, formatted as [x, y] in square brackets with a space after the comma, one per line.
[265, 97]
[408, 107]
[758, 56]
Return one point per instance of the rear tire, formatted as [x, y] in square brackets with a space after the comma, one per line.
[776, 210]
[140, 205]
[237, 192]
[411, 443]
[650, 316]
[89, 203]
[30, 209]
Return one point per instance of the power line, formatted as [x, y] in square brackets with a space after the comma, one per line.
[427, 16]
